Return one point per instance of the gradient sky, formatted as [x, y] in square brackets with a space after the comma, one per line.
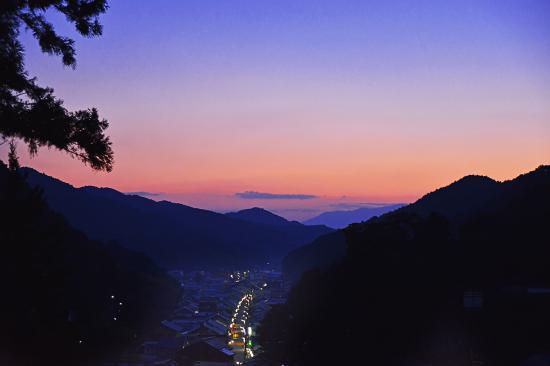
[350, 101]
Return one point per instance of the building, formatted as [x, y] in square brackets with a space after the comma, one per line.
[209, 352]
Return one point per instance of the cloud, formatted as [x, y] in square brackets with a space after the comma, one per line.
[143, 194]
[294, 210]
[353, 205]
[252, 195]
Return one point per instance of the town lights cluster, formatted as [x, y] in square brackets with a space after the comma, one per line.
[239, 276]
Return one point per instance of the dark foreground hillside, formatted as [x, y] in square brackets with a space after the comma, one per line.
[324, 252]
[67, 300]
[459, 278]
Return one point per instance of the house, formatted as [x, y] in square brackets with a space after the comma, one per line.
[203, 332]
[181, 326]
[209, 352]
[216, 326]
[162, 349]
[208, 304]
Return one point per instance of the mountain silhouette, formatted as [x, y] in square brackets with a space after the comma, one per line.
[260, 216]
[341, 219]
[174, 235]
[458, 202]
[459, 277]
[322, 253]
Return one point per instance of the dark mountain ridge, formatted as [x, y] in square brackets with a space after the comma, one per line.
[262, 216]
[174, 235]
[475, 195]
[458, 202]
[459, 199]
[459, 277]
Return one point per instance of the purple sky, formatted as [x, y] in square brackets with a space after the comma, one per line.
[348, 101]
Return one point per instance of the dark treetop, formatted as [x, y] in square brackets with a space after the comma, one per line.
[31, 112]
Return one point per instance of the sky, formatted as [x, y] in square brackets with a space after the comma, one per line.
[306, 106]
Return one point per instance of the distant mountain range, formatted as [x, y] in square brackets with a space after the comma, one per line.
[175, 235]
[458, 202]
[341, 219]
[261, 216]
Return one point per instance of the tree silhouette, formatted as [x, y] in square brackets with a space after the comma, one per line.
[32, 113]
[13, 161]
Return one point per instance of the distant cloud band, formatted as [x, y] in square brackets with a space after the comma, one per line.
[353, 205]
[252, 195]
[143, 194]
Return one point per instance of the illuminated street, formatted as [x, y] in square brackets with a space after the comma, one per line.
[239, 329]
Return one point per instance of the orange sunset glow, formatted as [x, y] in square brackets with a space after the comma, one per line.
[387, 124]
